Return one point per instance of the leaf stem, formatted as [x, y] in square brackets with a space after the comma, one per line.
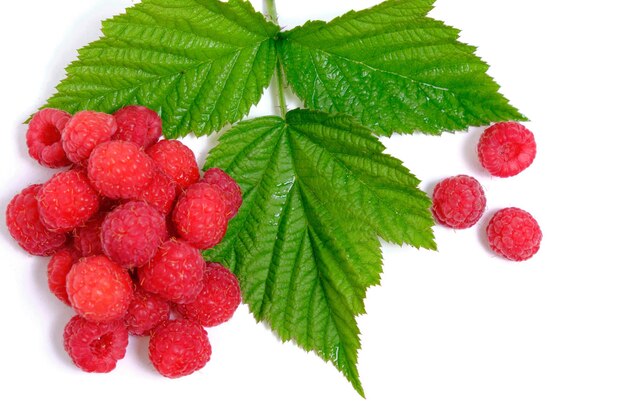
[280, 79]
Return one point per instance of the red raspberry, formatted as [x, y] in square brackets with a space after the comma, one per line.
[218, 300]
[145, 312]
[87, 237]
[176, 160]
[175, 273]
[85, 131]
[25, 226]
[224, 182]
[178, 348]
[458, 202]
[120, 169]
[95, 347]
[200, 216]
[506, 149]
[58, 268]
[67, 201]
[514, 234]
[138, 124]
[132, 233]
[160, 193]
[43, 138]
[98, 289]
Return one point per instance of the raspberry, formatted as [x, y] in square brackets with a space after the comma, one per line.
[514, 234]
[132, 233]
[87, 237]
[145, 312]
[178, 348]
[458, 202]
[25, 226]
[43, 138]
[95, 347]
[138, 124]
[175, 273]
[85, 131]
[224, 182]
[67, 201]
[98, 289]
[120, 169]
[506, 149]
[176, 160]
[200, 216]
[218, 300]
[160, 193]
[58, 268]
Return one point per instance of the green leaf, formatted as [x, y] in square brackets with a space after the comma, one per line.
[318, 191]
[199, 63]
[394, 69]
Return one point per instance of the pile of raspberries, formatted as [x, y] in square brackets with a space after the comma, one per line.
[125, 223]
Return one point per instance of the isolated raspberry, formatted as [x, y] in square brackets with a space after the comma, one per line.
[145, 312]
[84, 131]
[87, 237]
[218, 300]
[506, 149]
[99, 290]
[25, 226]
[175, 273]
[232, 193]
[95, 347]
[120, 169]
[43, 138]
[178, 348]
[175, 160]
[160, 193]
[514, 234]
[138, 124]
[458, 202]
[132, 233]
[67, 201]
[58, 268]
[200, 216]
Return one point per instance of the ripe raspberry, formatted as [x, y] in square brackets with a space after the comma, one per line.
[218, 300]
[175, 273]
[138, 124]
[95, 347]
[200, 216]
[43, 138]
[87, 237]
[58, 268]
[98, 289]
[120, 169]
[25, 226]
[160, 193]
[176, 160]
[145, 312]
[232, 193]
[178, 348]
[67, 201]
[458, 202]
[514, 234]
[132, 233]
[506, 149]
[85, 131]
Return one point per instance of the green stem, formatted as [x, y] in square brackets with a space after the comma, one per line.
[280, 80]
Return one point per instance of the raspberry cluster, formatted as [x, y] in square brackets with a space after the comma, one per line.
[125, 223]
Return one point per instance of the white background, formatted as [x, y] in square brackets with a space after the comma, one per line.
[458, 332]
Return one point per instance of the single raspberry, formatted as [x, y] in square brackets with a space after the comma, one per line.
[86, 130]
[200, 216]
[232, 193]
[175, 273]
[87, 237]
[160, 193]
[98, 289]
[138, 124]
[514, 234]
[43, 138]
[132, 233]
[506, 149]
[120, 169]
[178, 348]
[175, 160]
[218, 300]
[458, 202]
[67, 201]
[58, 268]
[95, 347]
[25, 226]
[145, 312]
